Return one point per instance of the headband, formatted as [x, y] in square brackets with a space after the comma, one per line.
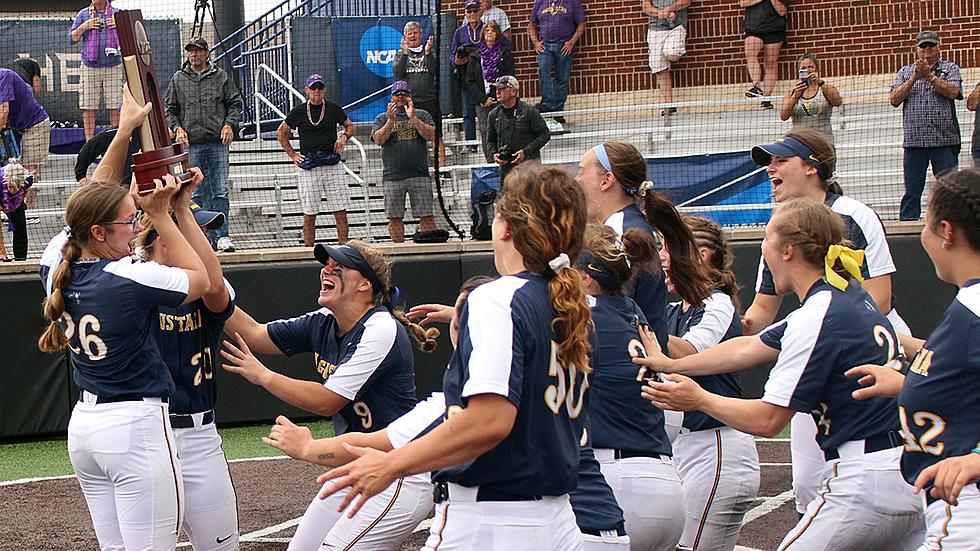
[600, 153]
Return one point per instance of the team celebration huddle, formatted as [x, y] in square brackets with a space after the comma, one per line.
[580, 410]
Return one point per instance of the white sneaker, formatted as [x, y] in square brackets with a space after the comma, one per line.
[225, 245]
[554, 126]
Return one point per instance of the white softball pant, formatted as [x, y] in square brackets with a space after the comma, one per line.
[463, 524]
[719, 469]
[125, 459]
[210, 508]
[807, 458]
[382, 524]
[950, 528]
[647, 489]
[863, 503]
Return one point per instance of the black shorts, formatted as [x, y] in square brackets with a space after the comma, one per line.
[432, 107]
[774, 37]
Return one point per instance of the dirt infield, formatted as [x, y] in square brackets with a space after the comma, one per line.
[272, 495]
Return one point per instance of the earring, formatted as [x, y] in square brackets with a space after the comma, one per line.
[944, 244]
[506, 235]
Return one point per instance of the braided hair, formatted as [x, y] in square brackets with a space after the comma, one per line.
[956, 199]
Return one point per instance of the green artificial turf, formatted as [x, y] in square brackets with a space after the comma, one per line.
[50, 457]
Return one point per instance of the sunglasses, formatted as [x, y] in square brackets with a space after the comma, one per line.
[317, 87]
[927, 45]
[133, 223]
[472, 10]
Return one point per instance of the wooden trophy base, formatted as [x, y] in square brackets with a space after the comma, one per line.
[155, 164]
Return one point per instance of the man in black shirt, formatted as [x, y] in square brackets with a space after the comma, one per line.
[321, 173]
[95, 148]
[516, 132]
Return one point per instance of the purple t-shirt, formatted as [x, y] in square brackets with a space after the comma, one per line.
[557, 19]
[25, 111]
[95, 42]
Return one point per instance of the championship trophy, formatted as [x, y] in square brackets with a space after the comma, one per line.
[159, 154]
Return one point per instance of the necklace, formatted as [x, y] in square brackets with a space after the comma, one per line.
[309, 114]
[474, 34]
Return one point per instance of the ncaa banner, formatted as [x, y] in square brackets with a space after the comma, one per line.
[365, 50]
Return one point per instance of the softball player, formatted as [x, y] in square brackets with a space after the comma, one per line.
[628, 434]
[802, 164]
[863, 501]
[102, 305]
[508, 451]
[188, 337]
[613, 177]
[942, 437]
[363, 355]
[718, 465]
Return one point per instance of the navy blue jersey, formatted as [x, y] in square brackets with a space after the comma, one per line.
[371, 365]
[934, 405]
[110, 310]
[713, 321]
[507, 347]
[831, 332]
[649, 289]
[862, 228]
[189, 338]
[621, 419]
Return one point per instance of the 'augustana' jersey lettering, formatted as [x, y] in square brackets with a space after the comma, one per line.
[713, 321]
[620, 417]
[937, 421]
[110, 311]
[374, 364]
[831, 332]
[189, 337]
[505, 348]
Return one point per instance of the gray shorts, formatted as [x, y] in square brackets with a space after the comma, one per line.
[419, 190]
[34, 144]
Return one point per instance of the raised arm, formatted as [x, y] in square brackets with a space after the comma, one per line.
[113, 164]
[732, 355]
[298, 442]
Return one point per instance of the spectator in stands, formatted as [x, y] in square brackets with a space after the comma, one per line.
[321, 173]
[516, 131]
[765, 31]
[926, 90]
[202, 107]
[402, 132]
[95, 148]
[555, 27]
[972, 103]
[20, 110]
[491, 60]
[15, 184]
[101, 77]
[489, 12]
[463, 44]
[666, 35]
[30, 71]
[418, 66]
[812, 100]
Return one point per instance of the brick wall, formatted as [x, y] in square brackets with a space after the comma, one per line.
[851, 37]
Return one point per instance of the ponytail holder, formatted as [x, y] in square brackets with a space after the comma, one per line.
[559, 263]
[646, 186]
[68, 232]
[395, 294]
[850, 259]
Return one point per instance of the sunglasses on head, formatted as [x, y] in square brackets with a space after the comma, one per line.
[317, 87]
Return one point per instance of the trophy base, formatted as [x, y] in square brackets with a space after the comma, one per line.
[152, 165]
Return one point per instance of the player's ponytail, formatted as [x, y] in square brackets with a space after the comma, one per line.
[718, 266]
[956, 199]
[389, 296]
[546, 213]
[88, 206]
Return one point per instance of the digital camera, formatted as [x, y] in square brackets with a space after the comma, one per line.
[505, 154]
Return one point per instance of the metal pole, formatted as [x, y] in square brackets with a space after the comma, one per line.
[278, 190]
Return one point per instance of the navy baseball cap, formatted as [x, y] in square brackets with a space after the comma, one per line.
[787, 147]
[315, 78]
[400, 87]
[208, 218]
[348, 257]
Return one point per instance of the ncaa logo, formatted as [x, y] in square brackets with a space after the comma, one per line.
[379, 44]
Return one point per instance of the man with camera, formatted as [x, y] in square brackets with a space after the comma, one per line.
[926, 90]
[515, 130]
[404, 131]
[101, 77]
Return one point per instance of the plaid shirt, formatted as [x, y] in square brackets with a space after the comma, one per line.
[928, 117]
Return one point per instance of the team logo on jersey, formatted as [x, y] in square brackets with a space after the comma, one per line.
[379, 46]
[323, 367]
[74, 295]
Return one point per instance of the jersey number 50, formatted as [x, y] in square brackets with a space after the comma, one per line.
[564, 392]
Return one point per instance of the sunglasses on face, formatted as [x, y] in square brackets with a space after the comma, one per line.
[317, 87]
[472, 10]
[133, 223]
[927, 45]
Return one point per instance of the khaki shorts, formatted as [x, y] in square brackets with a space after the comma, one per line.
[323, 182]
[419, 190]
[99, 83]
[34, 144]
[665, 43]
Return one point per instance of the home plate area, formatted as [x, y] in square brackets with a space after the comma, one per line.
[273, 494]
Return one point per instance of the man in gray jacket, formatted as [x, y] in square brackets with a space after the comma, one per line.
[203, 105]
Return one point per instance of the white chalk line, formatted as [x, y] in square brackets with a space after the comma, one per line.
[768, 505]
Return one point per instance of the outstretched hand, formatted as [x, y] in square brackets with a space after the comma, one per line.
[949, 476]
[655, 358]
[676, 392]
[132, 114]
[291, 439]
[366, 476]
[239, 359]
[424, 314]
[883, 381]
